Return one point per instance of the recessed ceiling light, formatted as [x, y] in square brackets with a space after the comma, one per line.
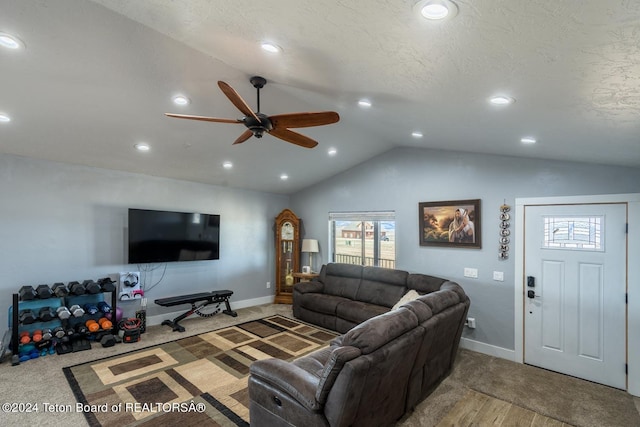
[364, 103]
[528, 140]
[416, 134]
[332, 151]
[501, 100]
[4, 117]
[10, 42]
[181, 100]
[436, 9]
[227, 165]
[142, 146]
[284, 177]
[270, 47]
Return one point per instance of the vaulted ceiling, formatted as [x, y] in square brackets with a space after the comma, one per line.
[92, 79]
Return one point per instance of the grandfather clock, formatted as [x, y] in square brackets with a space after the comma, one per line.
[287, 255]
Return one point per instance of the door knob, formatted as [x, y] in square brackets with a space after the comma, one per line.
[531, 294]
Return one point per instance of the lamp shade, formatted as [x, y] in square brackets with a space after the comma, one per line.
[310, 245]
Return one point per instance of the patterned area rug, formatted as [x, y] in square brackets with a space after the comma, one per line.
[199, 380]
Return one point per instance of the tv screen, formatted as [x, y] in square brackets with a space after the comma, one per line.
[161, 236]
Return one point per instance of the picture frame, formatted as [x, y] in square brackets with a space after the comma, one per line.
[453, 223]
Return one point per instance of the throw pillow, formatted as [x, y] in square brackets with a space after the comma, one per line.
[409, 296]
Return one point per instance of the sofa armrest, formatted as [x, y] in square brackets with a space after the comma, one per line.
[309, 287]
[289, 378]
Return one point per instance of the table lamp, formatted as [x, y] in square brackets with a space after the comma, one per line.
[310, 246]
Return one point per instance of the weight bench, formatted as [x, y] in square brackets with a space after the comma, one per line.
[203, 298]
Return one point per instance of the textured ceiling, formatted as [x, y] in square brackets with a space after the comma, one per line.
[96, 77]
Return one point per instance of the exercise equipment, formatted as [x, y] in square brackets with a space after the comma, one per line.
[81, 328]
[104, 307]
[108, 340]
[92, 325]
[58, 332]
[130, 330]
[47, 334]
[27, 293]
[25, 337]
[198, 302]
[63, 312]
[105, 323]
[107, 284]
[26, 316]
[118, 316]
[76, 310]
[76, 288]
[37, 336]
[60, 290]
[44, 291]
[90, 308]
[91, 287]
[46, 314]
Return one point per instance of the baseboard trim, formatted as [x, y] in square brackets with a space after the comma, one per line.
[235, 305]
[491, 350]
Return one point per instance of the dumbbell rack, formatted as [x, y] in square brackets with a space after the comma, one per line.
[54, 303]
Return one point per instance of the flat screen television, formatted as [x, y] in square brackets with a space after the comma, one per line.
[162, 236]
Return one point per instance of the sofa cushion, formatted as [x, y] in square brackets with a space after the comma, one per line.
[424, 283]
[338, 357]
[382, 286]
[320, 303]
[357, 311]
[379, 330]
[440, 300]
[420, 309]
[342, 280]
[409, 296]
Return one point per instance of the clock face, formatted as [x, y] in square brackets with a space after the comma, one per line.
[287, 231]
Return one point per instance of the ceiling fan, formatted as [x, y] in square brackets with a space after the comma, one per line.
[258, 123]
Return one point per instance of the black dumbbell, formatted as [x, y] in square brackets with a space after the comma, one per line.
[107, 284]
[44, 291]
[76, 288]
[26, 317]
[108, 340]
[81, 328]
[63, 312]
[46, 314]
[59, 332]
[60, 290]
[27, 293]
[91, 287]
[47, 334]
[76, 310]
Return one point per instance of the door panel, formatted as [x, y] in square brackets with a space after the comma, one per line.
[575, 318]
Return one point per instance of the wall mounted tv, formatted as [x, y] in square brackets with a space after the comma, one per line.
[161, 236]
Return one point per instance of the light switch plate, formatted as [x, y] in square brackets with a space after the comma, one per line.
[498, 275]
[471, 272]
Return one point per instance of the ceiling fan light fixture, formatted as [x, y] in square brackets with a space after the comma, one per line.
[436, 10]
[4, 118]
[270, 47]
[142, 146]
[181, 100]
[10, 42]
[501, 100]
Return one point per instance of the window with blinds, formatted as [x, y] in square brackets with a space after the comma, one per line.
[363, 238]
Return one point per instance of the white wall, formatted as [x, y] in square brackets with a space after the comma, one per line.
[401, 178]
[61, 222]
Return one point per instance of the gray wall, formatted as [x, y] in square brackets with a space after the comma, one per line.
[401, 178]
[62, 222]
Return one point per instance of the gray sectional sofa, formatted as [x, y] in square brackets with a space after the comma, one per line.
[383, 365]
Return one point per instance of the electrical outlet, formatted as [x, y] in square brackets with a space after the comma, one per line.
[498, 276]
[471, 322]
[471, 272]
[268, 285]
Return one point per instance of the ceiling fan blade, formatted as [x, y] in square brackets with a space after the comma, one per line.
[204, 119]
[303, 120]
[242, 138]
[237, 100]
[293, 137]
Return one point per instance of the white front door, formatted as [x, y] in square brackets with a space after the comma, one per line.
[575, 290]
